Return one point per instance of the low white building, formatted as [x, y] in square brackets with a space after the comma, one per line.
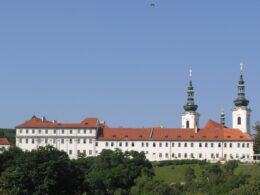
[213, 142]
[4, 144]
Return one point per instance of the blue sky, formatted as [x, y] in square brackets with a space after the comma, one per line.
[126, 62]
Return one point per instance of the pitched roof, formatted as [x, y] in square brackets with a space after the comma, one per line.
[211, 132]
[35, 122]
[4, 141]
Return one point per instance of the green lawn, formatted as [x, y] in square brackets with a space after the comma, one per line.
[9, 134]
[173, 173]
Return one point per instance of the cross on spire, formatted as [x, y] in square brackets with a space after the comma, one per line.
[241, 68]
[190, 74]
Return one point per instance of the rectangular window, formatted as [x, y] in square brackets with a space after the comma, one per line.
[247, 145]
[126, 144]
[54, 140]
[243, 145]
[106, 143]
[200, 145]
[32, 141]
[90, 131]
[166, 144]
[230, 145]
[217, 155]
[120, 144]
[26, 131]
[154, 144]
[54, 131]
[160, 144]
[185, 155]
[84, 152]
[21, 131]
[78, 131]
[62, 131]
[85, 131]
[90, 152]
[212, 145]
[172, 144]
[70, 141]
[96, 143]
[200, 155]
[192, 155]
[219, 145]
[147, 144]
[212, 155]
[78, 141]
[142, 144]
[70, 131]
[62, 141]
[225, 156]
[179, 155]
[112, 144]
[46, 140]
[166, 155]
[33, 131]
[133, 144]
[179, 144]
[225, 145]
[172, 155]
[206, 145]
[70, 151]
[238, 145]
[90, 141]
[160, 155]
[46, 131]
[185, 145]
[40, 131]
[84, 141]
[78, 152]
[20, 140]
[192, 144]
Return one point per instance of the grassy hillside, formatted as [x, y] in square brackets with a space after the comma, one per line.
[9, 134]
[175, 173]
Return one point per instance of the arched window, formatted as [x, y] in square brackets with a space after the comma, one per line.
[187, 124]
[239, 120]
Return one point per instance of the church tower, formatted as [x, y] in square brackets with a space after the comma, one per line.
[241, 113]
[190, 118]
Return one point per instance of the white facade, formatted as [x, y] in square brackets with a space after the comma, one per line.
[73, 141]
[77, 142]
[190, 119]
[4, 147]
[241, 119]
[173, 150]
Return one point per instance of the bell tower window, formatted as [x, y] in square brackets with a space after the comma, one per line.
[239, 120]
[187, 124]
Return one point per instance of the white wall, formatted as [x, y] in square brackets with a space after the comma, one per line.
[192, 117]
[244, 113]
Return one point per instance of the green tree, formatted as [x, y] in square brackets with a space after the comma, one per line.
[115, 170]
[189, 176]
[257, 138]
[42, 171]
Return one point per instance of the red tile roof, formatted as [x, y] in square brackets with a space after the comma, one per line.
[211, 132]
[35, 122]
[4, 141]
